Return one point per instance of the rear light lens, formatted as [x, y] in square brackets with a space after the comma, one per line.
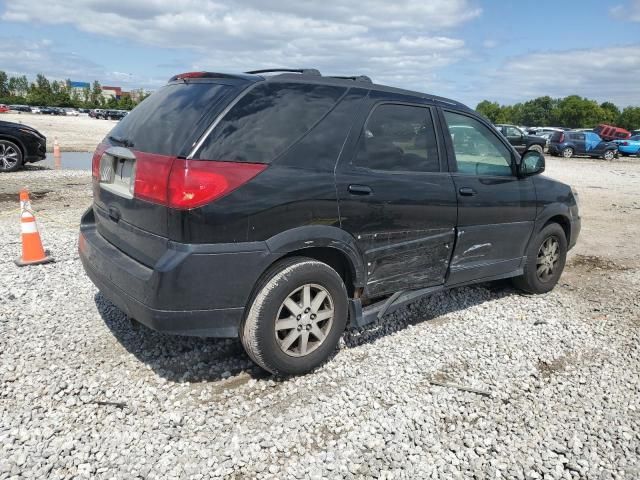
[186, 184]
[152, 177]
[95, 161]
[561, 139]
[194, 183]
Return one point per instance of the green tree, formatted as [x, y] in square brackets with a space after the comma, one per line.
[4, 85]
[577, 112]
[611, 113]
[95, 98]
[630, 118]
[491, 110]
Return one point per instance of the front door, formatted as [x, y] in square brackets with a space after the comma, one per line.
[496, 209]
[397, 200]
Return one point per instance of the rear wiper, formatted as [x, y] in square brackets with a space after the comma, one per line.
[123, 141]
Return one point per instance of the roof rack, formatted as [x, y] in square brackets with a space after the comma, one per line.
[355, 78]
[304, 71]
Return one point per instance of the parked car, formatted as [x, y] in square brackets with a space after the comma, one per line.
[114, 114]
[631, 146]
[520, 140]
[609, 133]
[20, 108]
[71, 112]
[4, 108]
[36, 109]
[572, 143]
[20, 144]
[635, 132]
[279, 208]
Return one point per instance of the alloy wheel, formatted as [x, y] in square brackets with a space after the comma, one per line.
[304, 320]
[567, 153]
[548, 257]
[8, 156]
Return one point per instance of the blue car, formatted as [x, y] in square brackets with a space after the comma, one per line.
[568, 144]
[630, 146]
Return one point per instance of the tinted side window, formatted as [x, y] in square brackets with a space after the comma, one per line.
[513, 132]
[266, 121]
[167, 119]
[399, 138]
[477, 149]
[577, 136]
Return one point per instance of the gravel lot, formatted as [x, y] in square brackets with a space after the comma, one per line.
[75, 134]
[82, 394]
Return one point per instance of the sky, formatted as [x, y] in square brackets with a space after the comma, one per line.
[468, 50]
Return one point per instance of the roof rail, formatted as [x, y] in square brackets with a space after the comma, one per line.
[304, 71]
[355, 78]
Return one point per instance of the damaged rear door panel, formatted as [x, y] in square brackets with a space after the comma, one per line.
[396, 197]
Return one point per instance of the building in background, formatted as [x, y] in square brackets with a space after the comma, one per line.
[111, 92]
[78, 86]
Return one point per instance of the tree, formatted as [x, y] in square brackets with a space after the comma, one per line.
[577, 112]
[4, 85]
[611, 113]
[96, 95]
[630, 118]
[491, 110]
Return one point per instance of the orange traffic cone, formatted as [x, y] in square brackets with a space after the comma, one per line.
[57, 157]
[32, 251]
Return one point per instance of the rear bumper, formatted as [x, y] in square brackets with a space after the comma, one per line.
[197, 290]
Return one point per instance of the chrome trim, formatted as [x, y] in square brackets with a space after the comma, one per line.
[219, 118]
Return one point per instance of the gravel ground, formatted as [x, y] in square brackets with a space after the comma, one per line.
[74, 134]
[83, 394]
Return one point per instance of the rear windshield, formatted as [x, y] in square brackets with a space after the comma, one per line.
[167, 119]
[555, 136]
[268, 120]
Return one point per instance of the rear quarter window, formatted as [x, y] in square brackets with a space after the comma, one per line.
[267, 121]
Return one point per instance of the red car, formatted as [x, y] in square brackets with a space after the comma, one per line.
[609, 133]
[4, 108]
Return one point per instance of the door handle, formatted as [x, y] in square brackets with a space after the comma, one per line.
[467, 192]
[360, 190]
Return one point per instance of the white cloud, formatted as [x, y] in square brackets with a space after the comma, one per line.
[629, 12]
[23, 57]
[603, 74]
[405, 41]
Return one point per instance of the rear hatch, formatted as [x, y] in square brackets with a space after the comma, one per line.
[132, 166]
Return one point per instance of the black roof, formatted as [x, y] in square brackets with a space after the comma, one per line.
[312, 75]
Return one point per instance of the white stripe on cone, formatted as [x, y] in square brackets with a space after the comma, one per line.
[29, 227]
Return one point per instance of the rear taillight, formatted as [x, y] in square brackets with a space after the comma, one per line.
[186, 184]
[95, 161]
[152, 177]
[561, 139]
[194, 183]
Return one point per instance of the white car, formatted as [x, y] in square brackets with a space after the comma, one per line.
[35, 109]
[71, 112]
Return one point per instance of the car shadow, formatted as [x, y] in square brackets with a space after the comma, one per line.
[196, 359]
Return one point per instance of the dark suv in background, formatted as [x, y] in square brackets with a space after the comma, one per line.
[520, 140]
[280, 208]
[573, 143]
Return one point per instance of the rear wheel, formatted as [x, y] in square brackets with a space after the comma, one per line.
[609, 155]
[567, 152]
[536, 148]
[546, 256]
[10, 156]
[296, 318]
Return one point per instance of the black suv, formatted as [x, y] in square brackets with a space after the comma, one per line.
[280, 208]
[520, 140]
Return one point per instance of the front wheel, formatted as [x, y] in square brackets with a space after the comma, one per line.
[546, 256]
[10, 156]
[609, 155]
[567, 152]
[296, 318]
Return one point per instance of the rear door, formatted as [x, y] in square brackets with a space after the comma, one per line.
[496, 209]
[578, 140]
[515, 137]
[396, 198]
[141, 147]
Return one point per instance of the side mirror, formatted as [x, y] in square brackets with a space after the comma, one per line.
[531, 163]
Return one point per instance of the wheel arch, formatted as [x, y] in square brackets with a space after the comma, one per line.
[11, 138]
[563, 221]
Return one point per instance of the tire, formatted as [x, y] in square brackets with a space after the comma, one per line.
[567, 152]
[536, 278]
[278, 298]
[609, 155]
[536, 148]
[10, 156]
